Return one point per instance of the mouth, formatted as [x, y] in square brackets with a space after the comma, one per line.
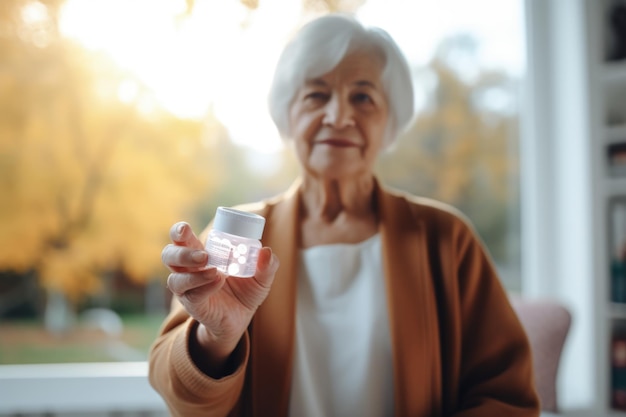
[338, 143]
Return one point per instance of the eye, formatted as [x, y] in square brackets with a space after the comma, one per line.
[316, 96]
[362, 98]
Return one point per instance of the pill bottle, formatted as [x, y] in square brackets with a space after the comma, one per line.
[233, 243]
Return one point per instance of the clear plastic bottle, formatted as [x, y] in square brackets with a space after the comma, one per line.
[233, 243]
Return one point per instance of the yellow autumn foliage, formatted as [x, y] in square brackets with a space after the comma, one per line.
[89, 184]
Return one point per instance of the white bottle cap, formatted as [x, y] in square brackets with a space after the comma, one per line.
[239, 223]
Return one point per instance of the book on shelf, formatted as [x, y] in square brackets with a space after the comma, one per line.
[618, 371]
[616, 153]
[617, 229]
[616, 24]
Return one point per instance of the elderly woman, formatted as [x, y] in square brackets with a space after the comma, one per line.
[384, 303]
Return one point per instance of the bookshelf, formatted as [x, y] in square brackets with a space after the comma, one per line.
[607, 35]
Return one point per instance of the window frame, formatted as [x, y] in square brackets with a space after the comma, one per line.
[94, 387]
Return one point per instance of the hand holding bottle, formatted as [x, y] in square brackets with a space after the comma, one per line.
[222, 305]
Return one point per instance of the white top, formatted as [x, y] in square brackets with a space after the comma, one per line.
[343, 362]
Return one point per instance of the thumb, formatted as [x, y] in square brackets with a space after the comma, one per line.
[181, 234]
[266, 267]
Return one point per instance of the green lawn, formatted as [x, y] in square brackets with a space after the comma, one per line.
[27, 342]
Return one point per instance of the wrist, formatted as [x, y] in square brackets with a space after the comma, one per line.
[211, 357]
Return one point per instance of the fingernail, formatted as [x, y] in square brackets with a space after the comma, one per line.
[180, 228]
[266, 259]
[199, 256]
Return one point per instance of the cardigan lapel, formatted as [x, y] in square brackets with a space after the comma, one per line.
[412, 309]
[273, 326]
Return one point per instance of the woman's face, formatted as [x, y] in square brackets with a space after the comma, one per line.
[338, 120]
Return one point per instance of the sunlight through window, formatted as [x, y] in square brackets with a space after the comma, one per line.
[137, 114]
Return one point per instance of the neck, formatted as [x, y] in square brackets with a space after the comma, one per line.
[328, 199]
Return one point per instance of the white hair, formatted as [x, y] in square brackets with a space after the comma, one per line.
[319, 47]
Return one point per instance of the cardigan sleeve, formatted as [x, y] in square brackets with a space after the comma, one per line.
[187, 391]
[496, 374]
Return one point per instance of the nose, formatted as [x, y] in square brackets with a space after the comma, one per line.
[338, 113]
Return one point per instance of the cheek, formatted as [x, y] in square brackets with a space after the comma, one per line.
[376, 128]
[304, 126]
[300, 134]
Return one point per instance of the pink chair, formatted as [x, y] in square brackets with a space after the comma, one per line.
[547, 323]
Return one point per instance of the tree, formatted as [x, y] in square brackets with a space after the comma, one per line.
[461, 149]
[91, 183]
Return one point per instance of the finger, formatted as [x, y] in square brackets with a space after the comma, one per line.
[176, 257]
[267, 265]
[181, 234]
[200, 294]
[180, 283]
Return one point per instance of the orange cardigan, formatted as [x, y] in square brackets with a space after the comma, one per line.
[458, 347]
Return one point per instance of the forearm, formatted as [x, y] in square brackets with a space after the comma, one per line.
[187, 390]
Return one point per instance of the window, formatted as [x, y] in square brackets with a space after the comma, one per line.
[110, 136]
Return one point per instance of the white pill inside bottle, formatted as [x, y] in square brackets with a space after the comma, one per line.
[234, 242]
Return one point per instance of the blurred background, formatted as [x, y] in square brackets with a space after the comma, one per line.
[119, 118]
